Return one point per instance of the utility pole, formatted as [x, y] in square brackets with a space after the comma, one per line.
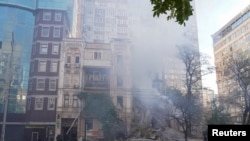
[6, 97]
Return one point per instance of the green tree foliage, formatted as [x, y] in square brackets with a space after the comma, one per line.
[180, 10]
[218, 115]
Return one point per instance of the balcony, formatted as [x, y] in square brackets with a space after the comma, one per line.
[97, 63]
[97, 84]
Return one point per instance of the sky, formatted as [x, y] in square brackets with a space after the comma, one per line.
[212, 15]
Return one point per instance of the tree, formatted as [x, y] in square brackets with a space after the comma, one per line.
[180, 10]
[183, 111]
[187, 101]
[101, 107]
[238, 70]
[218, 114]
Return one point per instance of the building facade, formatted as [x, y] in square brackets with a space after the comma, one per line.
[207, 97]
[30, 36]
[93, 68]
[16, 31]
[230, 39]
[52, 24]
[104, 20]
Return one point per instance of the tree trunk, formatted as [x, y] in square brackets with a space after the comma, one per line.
[244, 118]
[186, 135]
[248, 117]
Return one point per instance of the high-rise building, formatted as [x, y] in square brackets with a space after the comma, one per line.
[52, 24]
[104, 20]
[30, 38]
[16, 31]
[207, 97]
[98, 63]
[232, 37]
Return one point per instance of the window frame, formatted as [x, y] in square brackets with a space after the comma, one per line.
[45, 33]
[53, 69]
[97, 55]
[66, 101]
[43, 46]
[75, 101]
[56, 18]
[55, 49]
[54, 82]
[36, 107]
[68, 59]
[37, 84]
[53, 100]
[57, 32]
[46, 16]
[40, 63]
[77, 59]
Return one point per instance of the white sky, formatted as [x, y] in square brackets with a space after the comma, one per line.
[211, 16]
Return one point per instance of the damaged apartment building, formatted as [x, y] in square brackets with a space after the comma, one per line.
[93, 68]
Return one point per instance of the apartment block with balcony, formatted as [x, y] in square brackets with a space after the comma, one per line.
[93, 68]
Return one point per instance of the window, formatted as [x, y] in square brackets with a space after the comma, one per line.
[45, 31]
[66, 100]
[46, 16]
[77, 59]
[40, 84]
[96, 76]
[53, 67]
[68, 59]
[119, 81]
[89, 124]
[42, 66]
[58, 16]
[28, 103]
[51, 103]
[75, 101]
[43, 48]
[99, 20]
[55, 49]
[120, 101]
[56, 32]
[38, 103]
[97, 55]
[100, 12]
[52, 85]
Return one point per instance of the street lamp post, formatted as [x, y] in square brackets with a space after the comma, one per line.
[6, 97]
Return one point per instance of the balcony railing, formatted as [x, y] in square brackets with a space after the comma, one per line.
[97, 84]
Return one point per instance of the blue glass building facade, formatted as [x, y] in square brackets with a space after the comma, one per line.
[18, 19]
[16, 26]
